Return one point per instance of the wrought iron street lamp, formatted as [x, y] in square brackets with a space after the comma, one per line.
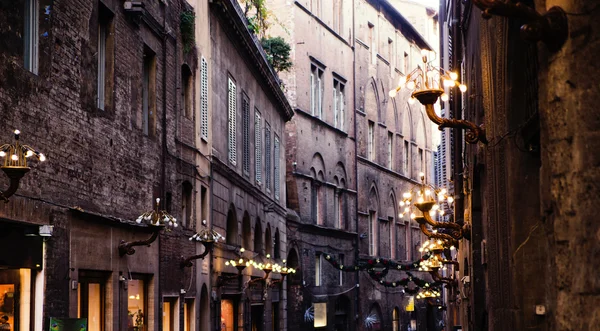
[15, 163]
[426, 83]
[207, 238]
[156, 219]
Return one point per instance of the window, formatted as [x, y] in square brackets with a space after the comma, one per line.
[406, 159]
[90, 303]
[31, 35]
[390, 53]
[422, 164]
[373, 233]
[390, 149]
[204, 98]
[149, 93]
[258, 241]
[371, 141]
[401, 244]
[341, 273]
[268, 156]
[257, 147]
[393, 242]
[22, 296]
[229, 314]
[276, 171]
[170, 314]
[372, 42]
[106, 58]
[405, 63]
[337, 208]
[268, 241]
[338, 14]
[338, 104]
[232, 114]
[396, 320]
[204, 204]
[318, 265]
[319, 204]
[246, 135]
[316, 91]
[277, 245]
[188, 315]
[186, 90]
[186, 204]
[231, 236]
[136, 303]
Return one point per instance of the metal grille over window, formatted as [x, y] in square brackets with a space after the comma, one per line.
[204, 98]
[276, 168]
[257, 147]
[231, 121]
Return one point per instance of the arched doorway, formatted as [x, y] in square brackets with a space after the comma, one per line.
[232, 236]
[204, 309]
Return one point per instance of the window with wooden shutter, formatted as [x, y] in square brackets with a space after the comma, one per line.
[257, 147]
[276, 168]
[232, 106]
[246, 135]
[267, 156]
[204, 99]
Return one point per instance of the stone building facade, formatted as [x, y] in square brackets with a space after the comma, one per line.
[99, 89]
[529, 260]
[352, 152]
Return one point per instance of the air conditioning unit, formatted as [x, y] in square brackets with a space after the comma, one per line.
[133, 6]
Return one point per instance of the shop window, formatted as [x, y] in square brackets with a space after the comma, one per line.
[170, 314]
[137, 305]
[91, 295]
[229, 309]
[188, 315]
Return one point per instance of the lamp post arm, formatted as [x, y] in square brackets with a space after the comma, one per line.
[474, 132]
[14, 174]
[127, 247]
[187, 262]
[437, 235]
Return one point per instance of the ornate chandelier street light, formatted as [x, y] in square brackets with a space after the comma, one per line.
[157, 219]
[425, 199]
[207, 238]
[425, 83]
[15, 163]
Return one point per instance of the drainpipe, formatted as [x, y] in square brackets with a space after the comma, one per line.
[357, 239]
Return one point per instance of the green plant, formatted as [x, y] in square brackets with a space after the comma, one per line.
[258, 23]
[278, 53]
[187, 28]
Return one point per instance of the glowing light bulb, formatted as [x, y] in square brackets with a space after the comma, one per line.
[436, 207]
[410, 85]
[424, 52]
[448, 83]
[443, 191]
[226, 262]
[406, 195]
[406, 210]
[413, 216]
[452, 248]
[241, 261]
[450, 199]
[444, 97]
[402, 203]
[28, 154]
[393, 93]
[420, 200]
[422, 175]
[441, 212]
[462, 88]
[412, 101]
[2, 153]
[14, 157]
[427, 192]
[242, 250]
[432, 213]
[454, 75]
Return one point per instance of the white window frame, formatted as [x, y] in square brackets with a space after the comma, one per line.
[245, 135]
[371, 141]
[268, 157]
[390, 150]
[102, 35]
[276, 168]
[318, 269]
[316, 90]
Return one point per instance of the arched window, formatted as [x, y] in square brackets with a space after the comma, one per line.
[232, 227]
[277, 246]
[268, 241]
[258, 242]
[246, 231]
[186, 204]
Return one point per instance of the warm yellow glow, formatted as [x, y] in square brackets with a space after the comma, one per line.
[454, 75]
[448, 83]
[420, 200]
[413, 216]
[410, 85]
[462, 87]
[320, 315]
[450, 199]
[444, 97]
[411, 101]
[393, 93]
[14, 157]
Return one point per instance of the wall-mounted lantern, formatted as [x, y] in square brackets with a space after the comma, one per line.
[207, 238]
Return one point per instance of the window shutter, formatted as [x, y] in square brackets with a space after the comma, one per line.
[204, 99]
[276, 168]
[341, 110]
[246, 135]
[257, 147]
[335, 105]
[232, 126]
[312, 94]
[267, 156]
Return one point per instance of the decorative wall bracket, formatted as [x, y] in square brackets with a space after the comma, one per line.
[187, 262]
[126, 247]
[429, 97]
[552, 28]
[15, 163]
[207, 238]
